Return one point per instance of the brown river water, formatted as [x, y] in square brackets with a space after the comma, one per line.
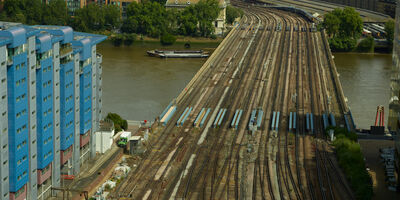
[139, 87]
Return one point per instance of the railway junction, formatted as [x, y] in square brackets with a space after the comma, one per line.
[250, 124]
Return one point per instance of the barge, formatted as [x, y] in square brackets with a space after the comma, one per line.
[178, 54]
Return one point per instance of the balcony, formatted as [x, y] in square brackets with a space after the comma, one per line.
[84, 138]
[99, 58]
[66, 155]
[65, 50]
[20, 195]
[44, 174]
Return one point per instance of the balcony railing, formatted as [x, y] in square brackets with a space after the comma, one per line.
[65, 50]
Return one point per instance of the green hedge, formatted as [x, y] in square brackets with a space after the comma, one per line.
[351, 160]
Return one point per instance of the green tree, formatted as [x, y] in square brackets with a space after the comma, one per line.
[351, 23]
[146, 18]
[55, 13]
[343, 23]
[232, 13]
[351, 160]
[112, 17]
[331, 24]
[187, 21]
[129, 25]
[207, 13]
[92, 17]
[344, 27]
[389, 29]
[119, 123]
[366, 45]
[129, 39]
[167, 39]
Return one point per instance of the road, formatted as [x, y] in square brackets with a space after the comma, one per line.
[272, 62]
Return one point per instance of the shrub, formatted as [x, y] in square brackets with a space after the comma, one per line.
[129, 39]
[232, 13]
[351, 160]
[119, 123]
[366, 45]
[117, 40]
[167, 39]
[342, 44]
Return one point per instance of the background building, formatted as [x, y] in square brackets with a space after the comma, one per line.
[387, 7]
[122, 4]
[50, 87]
[394, 104]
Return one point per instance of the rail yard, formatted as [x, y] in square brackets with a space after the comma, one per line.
[250, 124]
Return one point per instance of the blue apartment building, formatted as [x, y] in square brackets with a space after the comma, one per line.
[50, 104]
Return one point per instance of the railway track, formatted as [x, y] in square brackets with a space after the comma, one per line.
[270, 63]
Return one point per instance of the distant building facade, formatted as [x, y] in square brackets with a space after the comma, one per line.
[387, 7]
[50, 104]
[394, 103]
[219, 23]
[122, 4]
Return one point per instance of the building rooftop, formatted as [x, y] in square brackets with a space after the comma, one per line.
[65, 34]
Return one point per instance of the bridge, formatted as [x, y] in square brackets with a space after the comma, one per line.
[250, 124]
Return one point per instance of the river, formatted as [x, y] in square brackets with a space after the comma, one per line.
[366, 83]
[139, 87]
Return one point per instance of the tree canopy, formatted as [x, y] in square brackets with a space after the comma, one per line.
[153, 19]
[389, 29]
[35, 12]
[150, 17]
[232, 13]
[96, 18]
[344, 27]
[343, 23]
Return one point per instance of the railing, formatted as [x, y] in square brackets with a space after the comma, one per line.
[65, 50]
